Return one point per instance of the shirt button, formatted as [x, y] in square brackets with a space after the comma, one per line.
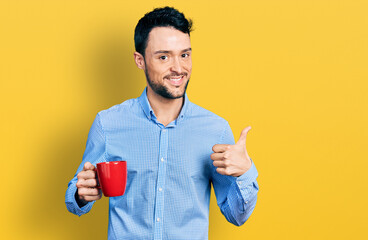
[158, 219]
[160, 189]
[246, 202]
[163, 130]
[240, 182]
[162, 159]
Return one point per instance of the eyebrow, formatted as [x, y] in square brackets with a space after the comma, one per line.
[166, 51]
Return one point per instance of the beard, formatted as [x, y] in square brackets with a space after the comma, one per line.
[162, 90]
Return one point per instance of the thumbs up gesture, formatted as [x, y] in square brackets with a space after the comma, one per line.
[232, 160]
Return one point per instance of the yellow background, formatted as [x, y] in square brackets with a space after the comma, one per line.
[296, 71]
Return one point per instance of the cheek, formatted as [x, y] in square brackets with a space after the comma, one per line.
[155, 72]
[188, 66]
[189, 63]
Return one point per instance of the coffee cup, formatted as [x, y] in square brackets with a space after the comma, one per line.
[112, 177]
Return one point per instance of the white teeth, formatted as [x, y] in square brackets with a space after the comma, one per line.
[176, 79]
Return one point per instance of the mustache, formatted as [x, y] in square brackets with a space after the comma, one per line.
[176, 75]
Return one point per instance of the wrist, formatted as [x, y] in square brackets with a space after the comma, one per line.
[247, 165]
[81, 203]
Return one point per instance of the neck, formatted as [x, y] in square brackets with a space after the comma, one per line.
[165, 109]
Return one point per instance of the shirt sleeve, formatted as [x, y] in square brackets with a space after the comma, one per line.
[236, 196]
[95, 152]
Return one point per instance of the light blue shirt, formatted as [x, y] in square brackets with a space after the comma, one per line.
[169, 172]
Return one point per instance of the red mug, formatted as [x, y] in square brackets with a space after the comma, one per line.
[112, 177]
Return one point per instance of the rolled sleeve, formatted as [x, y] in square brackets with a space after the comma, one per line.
[248, 187]
[236, 196]
[72, 204]
[95, 152]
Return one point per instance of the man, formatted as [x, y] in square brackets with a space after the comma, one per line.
[174, 149]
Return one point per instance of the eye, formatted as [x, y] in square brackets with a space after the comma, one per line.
[185, 55]
[163, 57]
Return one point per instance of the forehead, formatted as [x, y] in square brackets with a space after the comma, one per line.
[167, 38]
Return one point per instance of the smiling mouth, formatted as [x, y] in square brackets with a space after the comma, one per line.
[176, 80]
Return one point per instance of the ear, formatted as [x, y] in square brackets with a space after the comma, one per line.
[139, 60]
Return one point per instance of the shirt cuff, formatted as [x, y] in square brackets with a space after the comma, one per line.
[249, 176]
[247, 182]
[81, 210]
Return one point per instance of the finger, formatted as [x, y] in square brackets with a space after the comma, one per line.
[222, 171]
[218, 148]
[217, 156]
[88, 183]
[219, 164]
[88, 166]
[88, 192]
[86, 174]
[243, 136]
[92, 198]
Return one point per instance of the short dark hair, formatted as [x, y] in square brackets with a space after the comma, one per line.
[159, 17]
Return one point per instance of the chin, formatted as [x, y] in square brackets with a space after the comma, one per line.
[169, 91]
[179, 91]
[175, 95]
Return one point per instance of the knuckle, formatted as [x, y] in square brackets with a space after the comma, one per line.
[79, 175]
[226, 155]
[82, 174]
[226, 163]
[79, 183]
[85, 166]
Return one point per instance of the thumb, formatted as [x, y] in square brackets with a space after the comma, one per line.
[88, 166]
[243, 136]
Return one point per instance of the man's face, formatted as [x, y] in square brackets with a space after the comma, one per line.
[168, 62]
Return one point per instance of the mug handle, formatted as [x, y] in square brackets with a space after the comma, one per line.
[98, 184]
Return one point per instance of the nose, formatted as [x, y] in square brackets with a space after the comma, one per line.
[176, 66]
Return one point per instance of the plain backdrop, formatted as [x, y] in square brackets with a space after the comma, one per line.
[296, 71]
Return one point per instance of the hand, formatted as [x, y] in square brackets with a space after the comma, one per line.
[232, 160]
[87, 184]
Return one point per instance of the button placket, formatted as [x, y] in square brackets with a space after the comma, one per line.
[159, 200]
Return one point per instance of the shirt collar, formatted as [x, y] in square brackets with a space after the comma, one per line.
[143, 100]
[148, 111]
